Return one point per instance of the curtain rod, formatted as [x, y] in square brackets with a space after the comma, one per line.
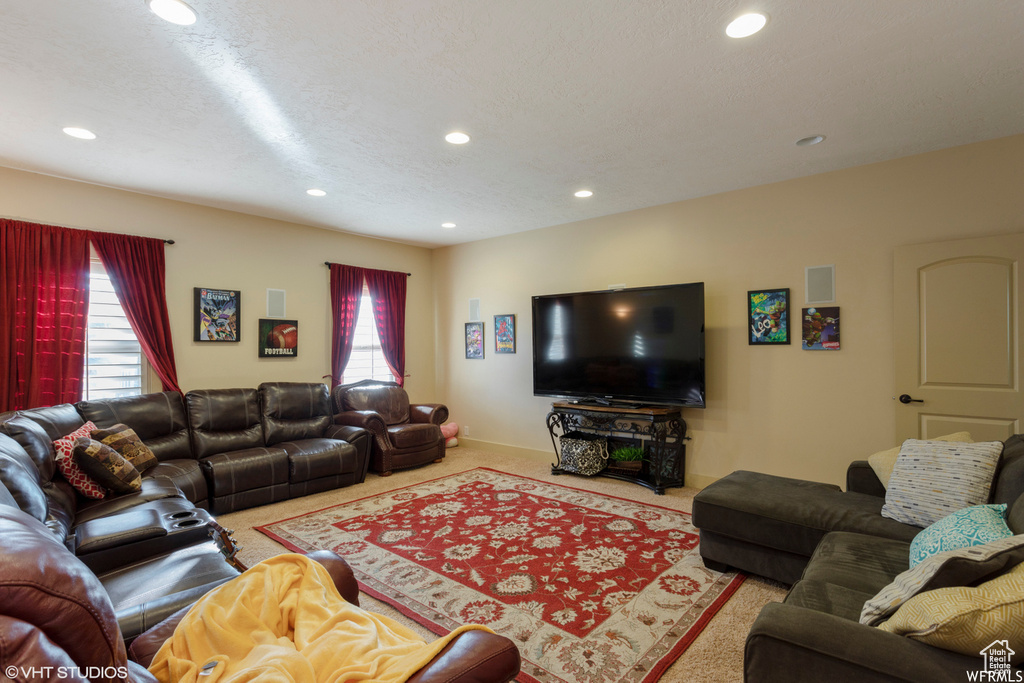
[329, 264]
[21, 220]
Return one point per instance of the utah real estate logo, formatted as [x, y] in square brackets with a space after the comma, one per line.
[998, 667]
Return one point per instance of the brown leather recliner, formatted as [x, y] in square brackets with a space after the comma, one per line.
[56, 617]
[404, 435]
[296, 417]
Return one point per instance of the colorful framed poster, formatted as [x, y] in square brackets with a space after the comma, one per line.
[217, 314]
[768, 316]
[821, 328]
[278, 338]
[475, 340]
[505, 333]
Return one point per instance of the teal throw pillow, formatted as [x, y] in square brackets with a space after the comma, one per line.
[975, 525]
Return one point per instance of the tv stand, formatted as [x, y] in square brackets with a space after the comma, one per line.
[660, 431]
[592, 401]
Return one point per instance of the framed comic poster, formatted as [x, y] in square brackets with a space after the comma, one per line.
[821, 328]
[768, 316]
[217, 314]
[278, 338]
[474, 340]
[505, 333]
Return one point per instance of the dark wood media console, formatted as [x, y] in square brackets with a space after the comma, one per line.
[659, 430]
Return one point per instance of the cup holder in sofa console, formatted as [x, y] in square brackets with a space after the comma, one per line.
[185, 524]
[184, 514]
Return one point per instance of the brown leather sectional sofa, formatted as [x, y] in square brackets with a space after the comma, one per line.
[57, 621]
[139, 558]
[150, 549]
[229, 449]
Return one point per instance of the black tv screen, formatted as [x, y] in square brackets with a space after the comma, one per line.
[640, 345]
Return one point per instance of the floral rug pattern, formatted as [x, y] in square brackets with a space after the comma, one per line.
[591, 588]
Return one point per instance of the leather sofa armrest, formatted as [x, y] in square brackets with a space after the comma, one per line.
[430, 413]
[340, 571]
[349, 433]
[801, 645]
[472, 657]
[367, 419]
[145, 646]
[861, 478]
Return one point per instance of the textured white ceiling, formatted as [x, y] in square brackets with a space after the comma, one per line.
[645, 102]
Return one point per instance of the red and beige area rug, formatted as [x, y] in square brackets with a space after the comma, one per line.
[591, 588]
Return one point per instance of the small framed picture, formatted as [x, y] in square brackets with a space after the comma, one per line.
[821, 328]
[278, 338]
[505, 333]
[768, 316]
[475, 340]
[217, 315]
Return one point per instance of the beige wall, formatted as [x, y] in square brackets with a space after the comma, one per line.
[223, 249]
[774, 409]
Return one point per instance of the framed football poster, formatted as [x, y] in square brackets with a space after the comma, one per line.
[278, 338]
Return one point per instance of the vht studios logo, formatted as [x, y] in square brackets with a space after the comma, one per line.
[998, 664]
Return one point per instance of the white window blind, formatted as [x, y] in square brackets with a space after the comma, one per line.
[114, 365]
[367, 360]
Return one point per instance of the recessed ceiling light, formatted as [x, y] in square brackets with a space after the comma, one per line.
[80, 133]
[174, 11]
[809, 140]
[315, 192]
[457, 138]
[584, 193]
[447, 225]
[746, 25]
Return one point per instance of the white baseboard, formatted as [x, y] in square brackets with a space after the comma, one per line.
[506, 449]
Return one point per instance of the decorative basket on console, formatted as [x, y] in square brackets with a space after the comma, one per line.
[582, 453]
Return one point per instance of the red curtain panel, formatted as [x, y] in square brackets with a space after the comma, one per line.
[346, 291]
[137, 271]
[44, 297]
[387, 292]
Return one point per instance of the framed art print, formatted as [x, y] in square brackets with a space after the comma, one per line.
[278, 338]
[768, 316]
[217, 314]
[475, 340]
[821, 328]
[505, 333]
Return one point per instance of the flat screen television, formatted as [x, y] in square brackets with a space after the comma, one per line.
[642, 345]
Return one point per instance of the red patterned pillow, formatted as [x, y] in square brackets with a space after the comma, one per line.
[82, 482]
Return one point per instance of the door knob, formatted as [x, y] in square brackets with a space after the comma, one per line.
[905, 398]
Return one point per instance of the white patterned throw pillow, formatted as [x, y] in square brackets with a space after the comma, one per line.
[933, 479]
[883, 461]
[960, 567]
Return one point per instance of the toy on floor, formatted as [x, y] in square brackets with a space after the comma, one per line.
[448, 431]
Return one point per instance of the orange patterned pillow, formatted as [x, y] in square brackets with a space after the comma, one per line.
[81, 481]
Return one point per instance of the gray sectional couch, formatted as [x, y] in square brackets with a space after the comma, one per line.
[837, 551]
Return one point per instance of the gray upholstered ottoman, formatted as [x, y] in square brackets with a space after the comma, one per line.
[769, 525]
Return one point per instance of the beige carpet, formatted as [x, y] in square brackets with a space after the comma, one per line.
[715, 656]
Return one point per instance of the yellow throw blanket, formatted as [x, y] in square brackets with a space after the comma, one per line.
[283, 620]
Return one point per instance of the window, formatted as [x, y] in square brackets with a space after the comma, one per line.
[114, 363]
[367, 360]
